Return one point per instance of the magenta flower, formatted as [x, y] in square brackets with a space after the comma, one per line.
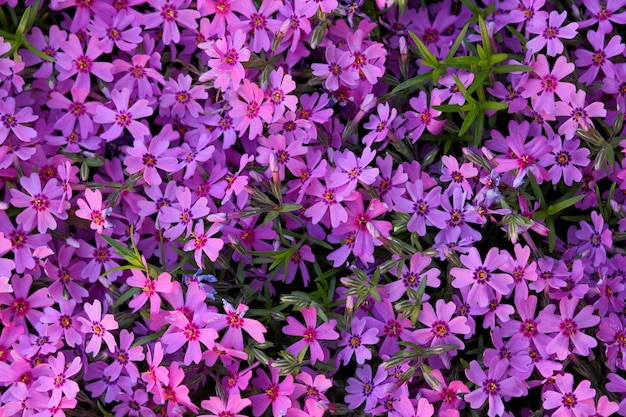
[229, 408]
[181, 97]
[11, 120]
[176, 393]
[181, 215]
[424, 208]
[568, 328]
[356, 342]
[202, 242]
[337, 70]
[156, 377]
[98, 326]
[41, 205]
[423, 118]
[124, 117]
[311, 335]
[157, 155]
[235, 321]
[524, 157]
[92, 210]
[150, 289]
[457, 175]
[73, 61]
[598, 59]
[258, 22]
[227, 54]
[329, 200]
[369, 57]
[64, 322]
[379, 124]
[412, 276]
[570, 402]
[252, 111]
[603, 13]
[448, 394]
[275, 393]
[137, 77]
[481, 277]
[492, 386]
[76, 111]
[353, 169]
[564, 160]
[58, 381]
[579, 114]
[549, 83]
[113, 30]
[169, 15]
[549, 33]
[521, 271]
[190, 331]
[125, 357]
[20, 306]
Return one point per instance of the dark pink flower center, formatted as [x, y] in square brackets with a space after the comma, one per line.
[123, 118]
[440, 328]
[39, 202]
[568, 327]
[491, 387]
[482, 275]
[9, 120]
[83, 64]
[169, 12]
[149, 160]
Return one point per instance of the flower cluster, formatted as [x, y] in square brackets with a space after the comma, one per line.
[312, 207]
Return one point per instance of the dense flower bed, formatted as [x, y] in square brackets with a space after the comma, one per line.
[312, 207]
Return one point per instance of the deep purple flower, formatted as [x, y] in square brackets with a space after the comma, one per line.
[355, 342]
[492, 386]
[570, 402]
[596, 239]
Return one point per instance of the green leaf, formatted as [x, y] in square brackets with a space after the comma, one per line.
[480, 128]
[461, 62]
[412, 82]
[457, 42]
[126, 296]
[484, 34]
[448, 108]
[505, 69]
[467, 123]
[104, 412]
[429, 57]
[290, 207]
[149, 338]
[563, 204]
[494, 105]
[551, 234]
[497, 58]
[36, 51]
[123, 251]
[520, 37]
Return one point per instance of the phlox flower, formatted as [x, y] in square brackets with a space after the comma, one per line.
[579, 114]
[20, 305]
[564, 159]
[570, 402]
[548, 83]
[441, 328]
[481, 276]
[599, 58]
[64, 322]
[280, 85]
[285, 151]
[133, 405]
[353, 169]
[379, 124]
[356, 342]
[157, 155]
[92, 210]
[22, 245]
[102, 258]
[176, 393]
[275, 393]
[11, 120]
[550, 32]
[76, 111]
[328, 200]
[58, 381]
[568, 328]
[447, 393]
[182, 215]
[391, 326]
[311, 335]
[73, 61]
[113, 30]
[49, 45]
[369, 57]
[225, 64]
[617, 384]
[124, 116]
[202, 242]
[412, 276]
[124, 358]
[169, 15]
[258, 22]
[295, 16]
[181, 97]
[361, 388]
[423, 118]
[150, 289]
[524, 157]
[191, 332]
[41, 205]
[251, 110]
[235, 322]
[98, 326]
[83, 12]
[521, 271]
[137, 76]
[338, 69]
[596, 239]
[457, 175]
[220, 408]
[492, 387]
[424, 208]
[156, 377]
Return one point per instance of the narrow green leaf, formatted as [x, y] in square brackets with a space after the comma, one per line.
[122, 250]
[494, 105]
[479, 127]
[457, 42]
[428, 56]
[467, 123]
[563, 204]
[505, 69]
[448, 108]
[484, 35]
[470, 5]
[551, 234]
[461, 62]
[151, 337]
[104, 412]
[36, 51]
[520, 37]
[412, 82]
[126, 296]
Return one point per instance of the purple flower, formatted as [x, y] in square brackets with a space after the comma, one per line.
[218, 407]
[599, 58]
[338, 69]
[549, 83]
[181, 97]
[423, 118]
[225, 63]
[480, 275]
[169, 15]
[137, 75]
[76, 111]
[550, 33]
[424, 208]
[492, 386]
[362, 387]
[564, 158]
[275, 393]
[124, 116]
[11, 119]
[355, 342]
[157, 154]
[58, 380]
[596, 239]
[98, 325]
[258, 22]
[73, 61]
[40, 205]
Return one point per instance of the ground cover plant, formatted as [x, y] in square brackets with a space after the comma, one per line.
[312, 208]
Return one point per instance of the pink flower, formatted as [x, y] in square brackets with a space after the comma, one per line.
[252, 111]
[235, 321]
[579, 114]
[598, 58]
[549, 83]
[481, 277]
[176, 393]
[170, 15]
[423, 118]
[137, 77]
[150, 289]
[570, 402]
[181, 97]
[201, 242]
[156, 376]
[11, 120]
[275, 393]
[76, 111]
[337, 70]
[124, 117]
[218, 407]
[227, 54]
[99, 326]
[92, 210]
[41, 205]
[596, 239]
[258, 22]
[125, 355]
[20, 306]
[311, 335]
[73, 61]
[568, 328]
[550, 33]
[58, 381]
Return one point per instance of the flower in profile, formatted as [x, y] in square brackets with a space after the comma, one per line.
[41, 205]
[92, 210]
[569, 402]
[492, 387]
[311, 334]
[275, 393]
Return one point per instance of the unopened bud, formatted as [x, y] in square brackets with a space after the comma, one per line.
[274, 168]
[404, 57]
[217, 218]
